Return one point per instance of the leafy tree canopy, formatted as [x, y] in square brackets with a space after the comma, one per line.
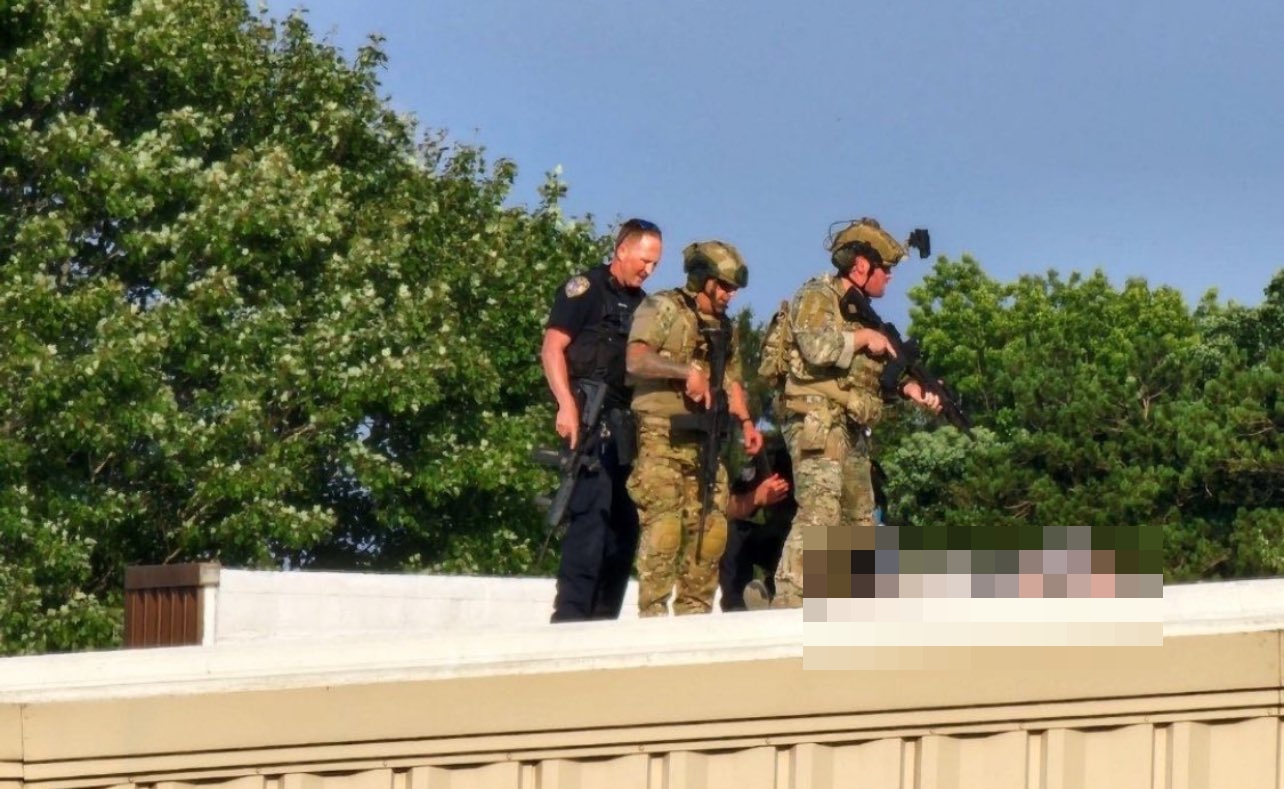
[1119, 409]
[249, 313]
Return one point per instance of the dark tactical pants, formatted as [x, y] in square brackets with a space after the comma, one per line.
[749, 545]
[601, 539]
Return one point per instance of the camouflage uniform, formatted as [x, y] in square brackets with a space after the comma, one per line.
[665, 480]
[832, 397]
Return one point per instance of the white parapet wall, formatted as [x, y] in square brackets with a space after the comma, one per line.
[1223, 606]
[256, 606]
[253, 606]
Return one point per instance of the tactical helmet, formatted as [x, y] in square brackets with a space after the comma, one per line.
[705, 260]
[866, 238]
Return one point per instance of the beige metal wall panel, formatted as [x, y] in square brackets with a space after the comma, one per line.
[1200, 712]
[996, 761]
[623, 772]
[12, 771]
[503, 775]
[243, 782]
[867, 765]
[530, 704]
[754, 768]
[993, 675]
[1233, 755]
[535, 703]
[1093, 758]
[366, 779]
[10, 736]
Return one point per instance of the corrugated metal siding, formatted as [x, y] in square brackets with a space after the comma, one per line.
[1199, 755]
[163, 617]
[1203, 713]
[164, 604]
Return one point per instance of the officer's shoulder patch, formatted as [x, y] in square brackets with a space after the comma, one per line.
[577, 286]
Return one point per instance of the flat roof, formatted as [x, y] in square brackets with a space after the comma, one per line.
[1187, 609]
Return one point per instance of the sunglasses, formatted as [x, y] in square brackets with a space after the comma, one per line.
[876, 261]
[634, 226]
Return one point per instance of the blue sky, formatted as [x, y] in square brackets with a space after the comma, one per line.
[1139, 137]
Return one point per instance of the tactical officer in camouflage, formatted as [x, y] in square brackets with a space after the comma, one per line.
[584, 340]
[668, 363]
[834, 391]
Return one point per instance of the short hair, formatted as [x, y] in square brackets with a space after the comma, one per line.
[844, 257]
[636, 227]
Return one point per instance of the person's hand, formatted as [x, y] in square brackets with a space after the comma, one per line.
[697, 386]
[771, 490]
[568, 423]
[874, 341]
[753, 439]
[929, 400]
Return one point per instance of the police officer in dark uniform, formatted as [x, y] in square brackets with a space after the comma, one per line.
[585, 340]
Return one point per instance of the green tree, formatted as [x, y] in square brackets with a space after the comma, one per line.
[1117, 409]
[1230, 434]
[1252, 331]
[749, 337]
[249, 313]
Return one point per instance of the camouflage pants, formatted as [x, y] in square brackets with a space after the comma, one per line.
[666, 487]
[835, 495]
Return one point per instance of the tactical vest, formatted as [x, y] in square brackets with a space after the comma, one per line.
[683, 344]
[777, 341]
[597, 352]
[856, 391]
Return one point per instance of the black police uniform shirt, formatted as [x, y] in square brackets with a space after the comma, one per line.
[596, 312]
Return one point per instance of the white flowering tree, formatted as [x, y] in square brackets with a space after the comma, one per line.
[248, 314]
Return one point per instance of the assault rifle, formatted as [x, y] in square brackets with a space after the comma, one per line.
[569, 461]
[856, 308]
[714, 423]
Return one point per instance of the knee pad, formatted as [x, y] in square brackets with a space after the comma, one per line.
[715, 537]
[664, 534]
